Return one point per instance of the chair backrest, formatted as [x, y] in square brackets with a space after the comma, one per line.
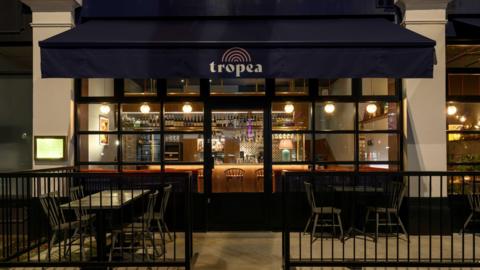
[234, 172]
[259, 173]
[474, 200]
[310, 194]
[152, 200]
[52, 209]
[200, 173]
[395, 192]
[76, 193]
[167, 190]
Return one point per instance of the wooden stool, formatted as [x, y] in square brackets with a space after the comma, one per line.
[234, 174]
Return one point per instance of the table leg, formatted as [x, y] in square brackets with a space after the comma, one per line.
[101, 238]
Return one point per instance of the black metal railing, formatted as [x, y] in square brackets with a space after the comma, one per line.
[381, 219]
[66, 218]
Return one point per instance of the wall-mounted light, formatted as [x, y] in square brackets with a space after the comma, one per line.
[452, 110]
[289, 108]
[145, 108]
[371, 108]
[117, 142]
[463, 119]
[105, 109]
[187, 108]
[329, 108]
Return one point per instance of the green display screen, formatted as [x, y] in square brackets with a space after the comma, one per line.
[49, 148]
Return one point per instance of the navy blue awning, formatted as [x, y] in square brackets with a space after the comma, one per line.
[273, 48]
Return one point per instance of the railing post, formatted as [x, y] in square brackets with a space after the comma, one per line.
[188, 223]
[286, 230]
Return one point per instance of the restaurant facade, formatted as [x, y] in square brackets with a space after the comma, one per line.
[239, 93]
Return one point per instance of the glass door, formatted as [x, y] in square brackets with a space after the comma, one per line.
[237, 169]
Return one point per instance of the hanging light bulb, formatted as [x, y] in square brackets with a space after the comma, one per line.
[145, 108]
[463, 119]
[371, 108]
[187, 108]
[452, 110]
[289, 108]
[105, 109]
[329, 108]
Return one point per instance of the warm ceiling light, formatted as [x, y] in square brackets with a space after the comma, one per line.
[371, 108]
[452, 110]
[187, 108]
[105, 109]
[145, 108]
[289, 108]
[329, 108]
[463, 119]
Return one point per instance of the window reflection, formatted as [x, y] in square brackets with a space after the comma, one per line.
[140, 87]
[228, 87]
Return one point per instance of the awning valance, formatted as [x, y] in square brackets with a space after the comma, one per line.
[221, 48]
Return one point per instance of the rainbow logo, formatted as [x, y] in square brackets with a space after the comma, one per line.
[236, 60]
[236, 55]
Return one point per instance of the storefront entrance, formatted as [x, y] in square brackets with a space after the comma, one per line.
[235, 173]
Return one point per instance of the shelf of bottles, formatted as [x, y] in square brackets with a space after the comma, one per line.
[287, 121]
[140, 121]
[183, 121]
[148, 148]
[237, 120]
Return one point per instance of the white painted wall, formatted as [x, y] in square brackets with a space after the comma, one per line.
[424, 99]
[52, 98]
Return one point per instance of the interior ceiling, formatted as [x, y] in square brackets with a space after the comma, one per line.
[16, 59]
[463, 56]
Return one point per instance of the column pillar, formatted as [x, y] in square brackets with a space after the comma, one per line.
[52, 98]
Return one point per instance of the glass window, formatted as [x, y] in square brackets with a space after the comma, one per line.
[184, 148]
[334, 168]
[334, 147]
[141, 147]
[338, 87]
[291, 147]
[229, 87]
[290, 116]
[140, 87]
[97, 117]
[378, 167]
[183, 87]
[463, 84]
[98, 147]
[97, 88]
[378, 87]
[184, 116]
[463, 148]
[334, 116]
[141, 117]
[98, 168]
[463, 56]
[291, 87]
[463, 116]
[378, 147]
[378, 115]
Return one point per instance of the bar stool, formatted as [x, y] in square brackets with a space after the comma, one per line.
[259, 174]
[234, 174]
[200, 178]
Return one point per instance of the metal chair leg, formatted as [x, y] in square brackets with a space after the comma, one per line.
[465, 225]
[366, 221]
[341, 226]
[167, 231]
[377, 224]
[314, 229]
[308, 224]
[401, 225]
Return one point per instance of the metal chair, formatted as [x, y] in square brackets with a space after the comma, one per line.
[76, 193]
[395, 192]
[474, 202]
[318, 213]
[259, 177]
[159, 217]
[234, 174]
[137, 233]
[60, 227]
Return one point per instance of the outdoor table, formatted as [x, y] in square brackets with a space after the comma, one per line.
[100, 203]
[351, 193]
